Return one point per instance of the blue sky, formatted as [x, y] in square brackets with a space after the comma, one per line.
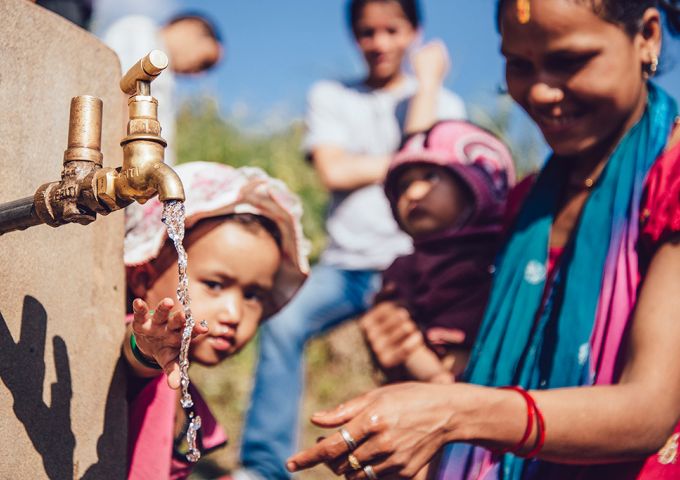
[277, 48]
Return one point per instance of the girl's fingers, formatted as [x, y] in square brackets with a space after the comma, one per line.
[176, 321]
[160, 316]
[139, 310]
[200, 328]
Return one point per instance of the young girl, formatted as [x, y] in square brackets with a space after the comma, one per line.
[581, 328]
[447, 188]
[246, 259]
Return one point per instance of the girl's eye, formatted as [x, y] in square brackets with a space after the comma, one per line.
[254, 296]
[212, 285]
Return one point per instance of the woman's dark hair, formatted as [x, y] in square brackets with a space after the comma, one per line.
[627, 13]
[410, 8]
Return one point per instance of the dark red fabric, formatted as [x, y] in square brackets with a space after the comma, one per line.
[445, 282]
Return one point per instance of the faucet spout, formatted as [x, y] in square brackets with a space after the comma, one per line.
[168, 183]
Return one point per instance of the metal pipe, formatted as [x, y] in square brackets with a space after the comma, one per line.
[18, 215]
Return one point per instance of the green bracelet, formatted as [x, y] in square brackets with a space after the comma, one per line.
[140, 356]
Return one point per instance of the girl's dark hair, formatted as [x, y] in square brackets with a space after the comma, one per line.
[410, 8]
[627, 13]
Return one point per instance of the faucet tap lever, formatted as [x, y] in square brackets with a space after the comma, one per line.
[145, 71]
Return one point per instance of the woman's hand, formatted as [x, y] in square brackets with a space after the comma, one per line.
[158, 335]
[391, 334]
[397, 428]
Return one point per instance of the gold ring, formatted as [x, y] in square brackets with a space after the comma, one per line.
[354, 462]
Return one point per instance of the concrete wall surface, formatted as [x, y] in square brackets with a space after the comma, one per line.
[62, 405]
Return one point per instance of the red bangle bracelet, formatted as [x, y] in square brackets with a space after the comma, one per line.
[540, 434]
[531, 406]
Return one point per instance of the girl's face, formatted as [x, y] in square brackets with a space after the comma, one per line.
[579, 77]
[383, 34]
[430, 200]
[231, 272]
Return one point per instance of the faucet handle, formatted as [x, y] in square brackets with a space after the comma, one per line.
[145, 70]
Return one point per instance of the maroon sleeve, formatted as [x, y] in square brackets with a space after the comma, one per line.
[396, 281]
[516, 198]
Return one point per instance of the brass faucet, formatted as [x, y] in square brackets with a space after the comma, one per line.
[86, 188]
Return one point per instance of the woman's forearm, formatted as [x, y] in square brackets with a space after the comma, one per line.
[583, 425]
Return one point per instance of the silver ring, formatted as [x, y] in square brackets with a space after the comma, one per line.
[347, 437]
[370, 474]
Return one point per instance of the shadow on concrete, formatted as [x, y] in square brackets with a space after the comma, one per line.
[111, 446]
[22, 370]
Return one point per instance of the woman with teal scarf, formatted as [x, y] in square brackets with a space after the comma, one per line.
[583, 320]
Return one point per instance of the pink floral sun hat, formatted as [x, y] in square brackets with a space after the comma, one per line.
[212, 190]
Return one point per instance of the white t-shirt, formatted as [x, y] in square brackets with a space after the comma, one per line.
[132, 37]
[363, 234]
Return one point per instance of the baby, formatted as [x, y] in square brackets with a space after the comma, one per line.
[447, 188]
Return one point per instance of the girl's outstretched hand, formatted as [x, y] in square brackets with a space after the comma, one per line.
[158, 334]
[397, 429]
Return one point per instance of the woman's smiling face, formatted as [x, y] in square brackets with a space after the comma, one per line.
[578, 76]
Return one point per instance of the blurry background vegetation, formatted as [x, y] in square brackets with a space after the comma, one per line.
[338, 365]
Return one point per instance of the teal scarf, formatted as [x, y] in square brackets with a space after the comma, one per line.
[513, 347]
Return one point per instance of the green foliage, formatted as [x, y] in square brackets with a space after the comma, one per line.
[203, 135]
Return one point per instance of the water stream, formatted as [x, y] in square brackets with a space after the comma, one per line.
[173, 218]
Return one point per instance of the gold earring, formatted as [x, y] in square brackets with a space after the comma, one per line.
[654, 66]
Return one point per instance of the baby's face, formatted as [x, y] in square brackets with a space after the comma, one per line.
[231, 272]
[430, 200]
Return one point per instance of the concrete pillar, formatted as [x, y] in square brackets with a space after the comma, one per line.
[62, 405]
